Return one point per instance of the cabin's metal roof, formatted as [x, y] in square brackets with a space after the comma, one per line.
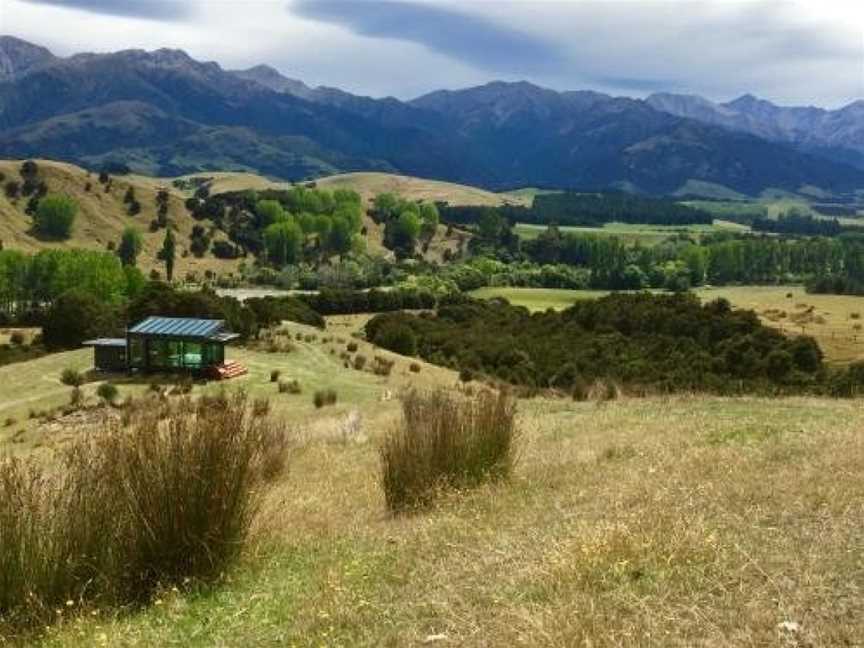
[179, 327]
[105, 342]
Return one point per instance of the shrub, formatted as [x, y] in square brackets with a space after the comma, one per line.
[382, 366]
[466, 375]
[274, 375]
[55, 216]
[71, 377]
[414, 367]
[324, 397]
[397, 338]
[359, 362]
[17, 338]
[290, 387]
[107, 392]
[446, 441]
[166, 501]
[352, 347]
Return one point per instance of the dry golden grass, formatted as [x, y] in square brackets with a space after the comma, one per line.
[102, 216]
[834, 320]
[369, 185]
[685, 521]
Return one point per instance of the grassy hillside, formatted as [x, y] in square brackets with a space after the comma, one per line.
[103, 216]
[675, 521]
[640, 522]
[368, 185]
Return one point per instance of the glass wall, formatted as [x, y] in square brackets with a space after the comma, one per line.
[158, 354]
[136, 352]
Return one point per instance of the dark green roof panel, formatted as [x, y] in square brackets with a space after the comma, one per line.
[178, 327]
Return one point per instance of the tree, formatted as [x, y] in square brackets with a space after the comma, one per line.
[76, 316]
[339, 237]
[270, 212]
[130, 246]
[283, 242]
[168, 253]
[430, 220]
[55, 216]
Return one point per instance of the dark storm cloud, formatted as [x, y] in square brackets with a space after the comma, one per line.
[152, 9]
[470, 39]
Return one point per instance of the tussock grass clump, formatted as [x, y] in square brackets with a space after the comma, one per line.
[359, 362]
[107, 392]
[382, 366]
[290, 387]
[72, 377]
[324, 397]
[447, 441]
[165, 500]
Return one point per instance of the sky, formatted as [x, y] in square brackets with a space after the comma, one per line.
[792, 52]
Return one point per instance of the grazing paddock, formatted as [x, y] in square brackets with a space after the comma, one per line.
[670, 521]
[644, 234]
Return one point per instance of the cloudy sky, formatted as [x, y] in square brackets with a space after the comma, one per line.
[790, 51]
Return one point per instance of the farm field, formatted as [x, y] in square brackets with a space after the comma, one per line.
[644, 234]
[834, 320]
[699, 520]
[683, 521]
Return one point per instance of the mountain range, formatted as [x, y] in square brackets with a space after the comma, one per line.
[164, 113]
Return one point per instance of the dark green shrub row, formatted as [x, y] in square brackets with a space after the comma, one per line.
[344, 302]
[661, 342]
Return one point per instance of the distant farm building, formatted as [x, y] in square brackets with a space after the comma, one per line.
[168, 345]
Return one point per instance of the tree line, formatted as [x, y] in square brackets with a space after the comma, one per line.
[584, 210]
[659, 343]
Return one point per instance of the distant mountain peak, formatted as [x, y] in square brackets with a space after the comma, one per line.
[273, 79]
[17, 57]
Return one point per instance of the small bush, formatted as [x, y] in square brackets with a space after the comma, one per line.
[446, 441]
[855, 316]
[107, 392]
[17, 338]
[324, 397]
[359, 362]
[72, 377]
[352, 347]
[414, 367]
[466, 375]
[290, 387]
[274, 375]
[9, 422]
[382, 366]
